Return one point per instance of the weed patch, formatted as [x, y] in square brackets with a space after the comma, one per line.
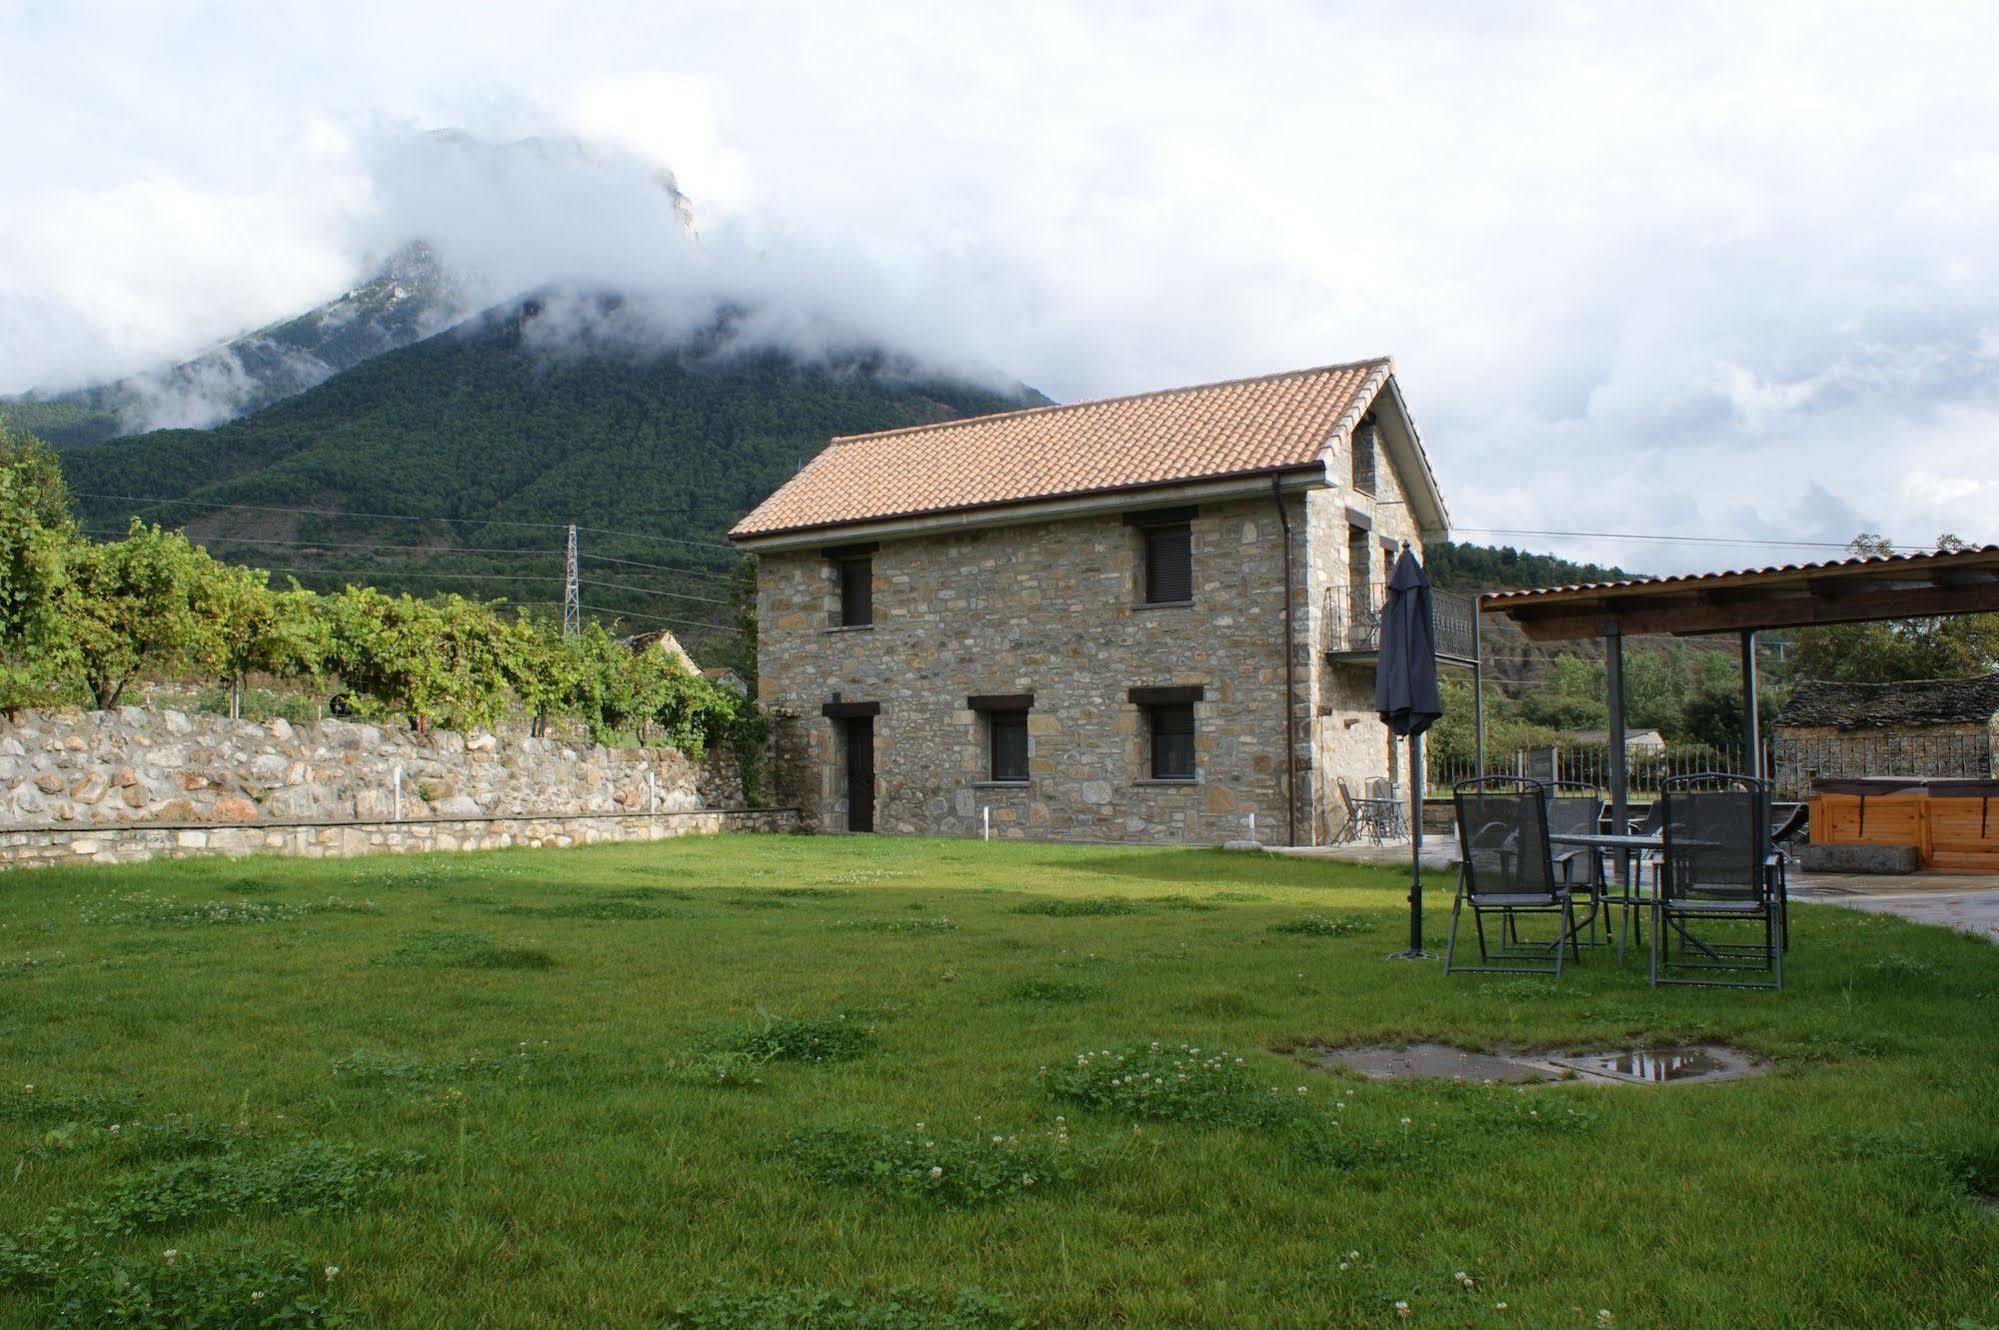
[451, 949]
[1326, 925]
[605, 910]
[239, 1289]
[786, 1039]
[1182, 903]
[30, 1104]
[944, 1173]
[1240, 896]
[1057, 907]
[940, 924]
[142, 910]
[1053, 990]
[310, 1178]
[1177, 1084]
[24, 965]
[818, 1309]
[367, 1067]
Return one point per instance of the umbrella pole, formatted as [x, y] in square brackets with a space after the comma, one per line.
[1415, 952]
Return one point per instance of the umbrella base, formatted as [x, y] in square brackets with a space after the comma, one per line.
[1416, 955]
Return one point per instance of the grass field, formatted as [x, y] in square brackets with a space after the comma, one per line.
[874, 1083]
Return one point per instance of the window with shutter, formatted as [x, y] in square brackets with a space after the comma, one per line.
[1172, 729]
[1169, 564]
[1008, 741]
[857, 592]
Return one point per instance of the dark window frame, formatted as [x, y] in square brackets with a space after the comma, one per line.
[1007, 745]
[855, 574]
[1170, 728]
[1167, 556]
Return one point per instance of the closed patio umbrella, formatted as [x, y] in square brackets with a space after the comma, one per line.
[1405, 693]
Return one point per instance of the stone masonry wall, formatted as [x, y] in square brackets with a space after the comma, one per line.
[194, 783]
[1348, 739]
[1799, 752]
[126, 843]
[1050, 608]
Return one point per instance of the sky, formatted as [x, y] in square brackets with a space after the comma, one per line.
[1716, 273]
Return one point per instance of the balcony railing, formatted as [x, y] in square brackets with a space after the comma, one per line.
[1353, 623]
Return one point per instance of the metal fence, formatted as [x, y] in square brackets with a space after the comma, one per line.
[1792, 764]
[1589, 764]
[1353, 621]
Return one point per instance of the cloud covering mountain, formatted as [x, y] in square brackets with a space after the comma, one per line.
[1708, 270]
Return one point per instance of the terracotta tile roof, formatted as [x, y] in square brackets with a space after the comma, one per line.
[1245, 427]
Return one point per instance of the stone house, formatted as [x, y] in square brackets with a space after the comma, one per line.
[1921, 727]
[1148, 618]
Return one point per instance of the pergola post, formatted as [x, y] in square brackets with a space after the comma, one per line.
[1478, 686]
[1752, 734]
[1613, 678]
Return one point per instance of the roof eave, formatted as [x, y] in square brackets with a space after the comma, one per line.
[1041, 507]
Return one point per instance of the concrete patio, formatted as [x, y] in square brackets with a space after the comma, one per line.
[1968, 902]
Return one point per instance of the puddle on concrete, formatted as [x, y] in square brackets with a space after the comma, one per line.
[1434, 1060]
[1624, 1066]
[1662, 1066]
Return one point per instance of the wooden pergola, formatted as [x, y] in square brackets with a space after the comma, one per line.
[1856, 590]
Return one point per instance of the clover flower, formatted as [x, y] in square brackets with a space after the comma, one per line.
[1401, 1308]
[332, 1272]
[936, 1171]
[170, 1255]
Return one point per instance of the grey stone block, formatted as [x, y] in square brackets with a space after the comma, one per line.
[1886, 859]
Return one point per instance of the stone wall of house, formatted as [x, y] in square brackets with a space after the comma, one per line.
[1347, 739]
[1049, 609]
[134, 780]
[1799, 752]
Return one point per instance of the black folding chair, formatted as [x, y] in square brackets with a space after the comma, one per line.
[1787, 823]
[1715, 874]
[1576, 809]
[1507, 870]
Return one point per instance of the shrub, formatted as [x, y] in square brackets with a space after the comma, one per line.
[1179, 1084]
[944, 1173]
[1326, 925]
[1057, 907]
[817, 1309]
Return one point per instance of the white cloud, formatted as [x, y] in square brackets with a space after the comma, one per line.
[1711, 270]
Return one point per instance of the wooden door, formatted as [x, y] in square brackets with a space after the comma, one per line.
[860, 773]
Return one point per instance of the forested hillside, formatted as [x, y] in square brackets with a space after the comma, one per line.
[454, 463]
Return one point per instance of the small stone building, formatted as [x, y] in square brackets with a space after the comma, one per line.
[1142, 619]
[1923, 727]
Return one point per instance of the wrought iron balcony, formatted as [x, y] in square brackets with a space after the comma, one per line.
[1352, 617]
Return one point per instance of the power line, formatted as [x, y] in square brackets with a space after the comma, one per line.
[648, 591]
[659, 567]
[655, 618]
[1671, 540]
[712, 542]
[353, 545]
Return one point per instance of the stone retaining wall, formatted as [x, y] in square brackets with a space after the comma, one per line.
[42, 847]
[115, 786]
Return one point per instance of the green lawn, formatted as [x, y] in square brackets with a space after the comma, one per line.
[679, 1084]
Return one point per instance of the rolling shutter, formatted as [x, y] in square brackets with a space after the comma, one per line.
[1169, 564]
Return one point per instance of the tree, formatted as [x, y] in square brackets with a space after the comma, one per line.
[37, 478]
[35, 655]
[1953, 647]
[280, 633]
[128, 606]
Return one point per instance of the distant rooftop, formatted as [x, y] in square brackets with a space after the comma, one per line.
[1858, 706]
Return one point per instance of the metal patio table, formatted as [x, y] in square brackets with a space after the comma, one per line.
[1633, 896]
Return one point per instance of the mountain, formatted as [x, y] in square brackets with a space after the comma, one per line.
[410, 298]
[454, 463]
